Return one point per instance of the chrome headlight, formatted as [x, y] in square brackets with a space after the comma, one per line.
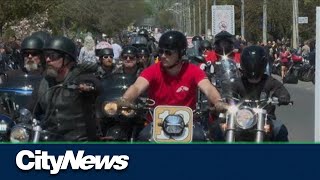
[173, 125]
[245, 118]
[110, 108]
[19, 134]
[3, 127]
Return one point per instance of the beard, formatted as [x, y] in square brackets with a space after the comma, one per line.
[31, 66]
[108, 64]
[51, 73]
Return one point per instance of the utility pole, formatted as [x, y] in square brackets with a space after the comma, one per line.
[295, 27]
[199, 17]
[242, 19]
[194, 19]
[189, 18]
[264, 22]
[206, 19]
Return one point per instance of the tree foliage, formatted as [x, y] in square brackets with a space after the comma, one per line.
[13, 10]
[106, 16]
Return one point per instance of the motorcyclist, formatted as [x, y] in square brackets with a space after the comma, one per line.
[195, 50]
[67, 93]
[254, 84]
[17, 85]
[31, 48]
[173, 82]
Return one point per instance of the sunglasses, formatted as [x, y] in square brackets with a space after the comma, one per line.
[32, 53]
[107, 56]
[53, 55]
[166, 52]
[126, 57]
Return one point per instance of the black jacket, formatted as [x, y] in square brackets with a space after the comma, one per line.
[68, 112]
[267, 87]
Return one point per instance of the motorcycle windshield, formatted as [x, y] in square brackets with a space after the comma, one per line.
[115, 85]
[225, 72]
[19, 88]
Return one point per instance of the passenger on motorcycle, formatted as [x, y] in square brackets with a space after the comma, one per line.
[173, 82]
[207, 51]
[107, 65]
[255, 85]
[224, 47]
[144, 57]
[129, 58]
[67, 93]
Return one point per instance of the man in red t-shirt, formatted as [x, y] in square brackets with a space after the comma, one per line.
[208, 53]
[174, 82]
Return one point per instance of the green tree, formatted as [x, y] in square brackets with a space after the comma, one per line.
[13, 10]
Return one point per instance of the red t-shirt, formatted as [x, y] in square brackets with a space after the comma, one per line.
[284, 56]
[210, 56]
[180, 90]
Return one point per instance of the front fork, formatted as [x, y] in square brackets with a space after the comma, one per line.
[262, 128]
[230, 137]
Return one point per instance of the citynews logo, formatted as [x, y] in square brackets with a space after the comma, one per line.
[40, 160]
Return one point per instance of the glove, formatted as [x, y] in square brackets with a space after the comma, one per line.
[124, 103]
[284, 100]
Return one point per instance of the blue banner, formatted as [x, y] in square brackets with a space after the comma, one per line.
[155, 161]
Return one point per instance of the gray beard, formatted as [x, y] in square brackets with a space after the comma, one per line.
[31, 67]
[51, 73]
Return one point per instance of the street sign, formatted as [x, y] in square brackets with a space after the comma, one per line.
[302, 20]
[223, 19]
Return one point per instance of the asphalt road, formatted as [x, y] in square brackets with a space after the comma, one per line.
[299, 118]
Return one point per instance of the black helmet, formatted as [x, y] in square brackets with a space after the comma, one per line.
[32, 43]
[139, 41]
[173, 40]
[105, 51]
[224, 35]
[205, 45]
[130, 50]
[253, 62]
[62, 44]
[143, 51]
[197, 38]
[143, 32]
[44, 36]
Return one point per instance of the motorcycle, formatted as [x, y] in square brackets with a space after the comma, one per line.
[13, 96]
[247, 120]
[29, 129]
[306, 72]
[118, 125]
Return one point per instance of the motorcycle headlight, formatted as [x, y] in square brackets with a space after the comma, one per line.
[3, 127]
[19, 134]
[110, 108]
[245, 118]
[173, 125]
